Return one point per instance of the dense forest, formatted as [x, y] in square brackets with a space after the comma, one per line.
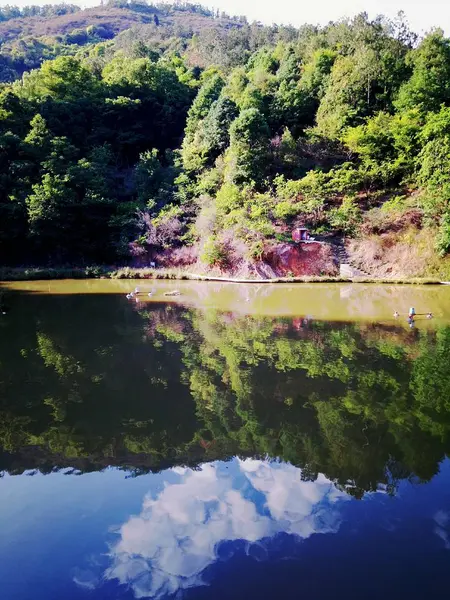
[136, 132]
[154, 387]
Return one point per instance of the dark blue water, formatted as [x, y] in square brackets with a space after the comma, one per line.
[237, 529]
[178, 454]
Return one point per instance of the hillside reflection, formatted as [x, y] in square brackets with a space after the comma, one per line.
[88, 382]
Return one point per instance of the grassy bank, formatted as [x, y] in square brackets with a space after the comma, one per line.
[91, 272]
[102, 272]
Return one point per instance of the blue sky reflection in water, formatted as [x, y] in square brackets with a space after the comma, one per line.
[228, 529]
[120, 428]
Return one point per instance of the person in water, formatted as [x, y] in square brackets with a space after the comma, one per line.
[412, 312]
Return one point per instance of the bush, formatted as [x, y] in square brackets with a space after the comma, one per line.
[214, 253]
[285, 210]
[99, 31]
[347, 217]
[77, 36]
[256, 251]
[443, 238]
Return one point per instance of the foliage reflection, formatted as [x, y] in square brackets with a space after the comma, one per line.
[85, 382]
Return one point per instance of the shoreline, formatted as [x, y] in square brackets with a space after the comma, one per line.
[8, 274]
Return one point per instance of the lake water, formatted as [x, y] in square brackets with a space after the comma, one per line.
[233, 442]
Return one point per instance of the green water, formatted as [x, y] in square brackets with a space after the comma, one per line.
[327, 301]
[89, 379]
[229, 442]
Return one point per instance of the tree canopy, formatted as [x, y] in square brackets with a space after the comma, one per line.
[235, 132]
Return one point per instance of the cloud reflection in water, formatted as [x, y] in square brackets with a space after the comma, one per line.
[177, 535]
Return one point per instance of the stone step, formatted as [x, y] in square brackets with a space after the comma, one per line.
[346, 270]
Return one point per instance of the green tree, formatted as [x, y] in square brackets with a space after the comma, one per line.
[247, 155]
[348, 95]
[64, 79]
[211, 137]
[429, 85]
[48, 213]
[154, 181]
[206, 96]
[434, 175]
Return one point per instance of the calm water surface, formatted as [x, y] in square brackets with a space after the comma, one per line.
[233, 442]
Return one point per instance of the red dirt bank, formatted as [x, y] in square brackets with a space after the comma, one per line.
[278, 260]
[311, 259]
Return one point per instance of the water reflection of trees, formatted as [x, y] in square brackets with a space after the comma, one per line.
[85, 382]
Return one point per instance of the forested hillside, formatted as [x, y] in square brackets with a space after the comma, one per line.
[176, 134]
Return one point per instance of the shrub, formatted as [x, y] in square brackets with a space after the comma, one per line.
[285, 210]
[256, 250]
[347, 217]
[443, 237]
[214, 253]
[77, 36]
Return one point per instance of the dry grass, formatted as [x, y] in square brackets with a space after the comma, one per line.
[404, 255]
[35, 273]
[147, 273]
[102, 272]
[92, 272]
[115, 19]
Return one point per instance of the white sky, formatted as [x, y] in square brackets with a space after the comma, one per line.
[422, 14]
